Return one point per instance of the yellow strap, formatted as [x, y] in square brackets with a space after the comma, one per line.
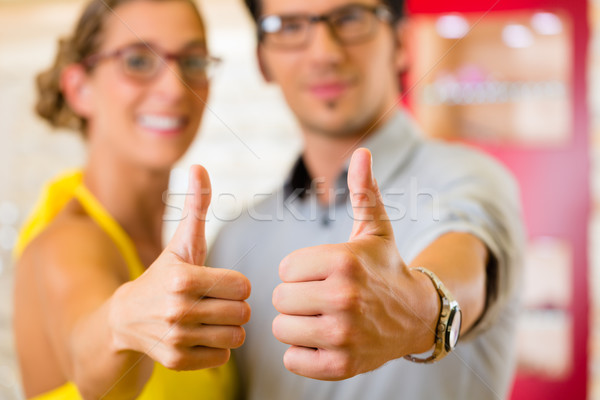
[55, 195]
[68, 391]
[207, 384]
[97, 212]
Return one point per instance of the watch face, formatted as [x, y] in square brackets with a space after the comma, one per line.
[454, 331]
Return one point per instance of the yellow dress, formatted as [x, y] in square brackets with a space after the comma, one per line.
[208, 384]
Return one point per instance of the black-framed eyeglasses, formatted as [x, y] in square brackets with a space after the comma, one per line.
[350, 24]
[143, 62]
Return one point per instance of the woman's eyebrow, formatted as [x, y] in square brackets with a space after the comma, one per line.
[200, 42]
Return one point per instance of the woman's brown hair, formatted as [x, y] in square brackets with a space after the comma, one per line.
[84, 41]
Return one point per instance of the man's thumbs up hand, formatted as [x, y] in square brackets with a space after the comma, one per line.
[342, 306]
[180, 313]
[370, 217]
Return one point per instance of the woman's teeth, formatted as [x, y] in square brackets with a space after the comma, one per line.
[155, 122]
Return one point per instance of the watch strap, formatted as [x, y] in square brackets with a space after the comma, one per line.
[447, 302]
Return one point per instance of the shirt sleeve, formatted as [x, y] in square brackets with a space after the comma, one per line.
[482, 200]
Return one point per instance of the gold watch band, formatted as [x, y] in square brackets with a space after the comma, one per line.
[448, 311]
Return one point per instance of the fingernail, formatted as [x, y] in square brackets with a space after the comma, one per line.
[373, 180]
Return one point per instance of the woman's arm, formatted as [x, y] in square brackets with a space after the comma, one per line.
[106, 331]
[76, 270]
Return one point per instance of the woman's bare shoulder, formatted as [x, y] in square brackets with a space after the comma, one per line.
[73, 244]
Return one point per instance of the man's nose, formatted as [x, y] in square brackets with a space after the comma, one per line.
[324, 44]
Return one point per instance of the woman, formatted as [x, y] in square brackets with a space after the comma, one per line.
[101, 310]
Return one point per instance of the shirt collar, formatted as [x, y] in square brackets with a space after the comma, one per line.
[298, 179]
[391, 145]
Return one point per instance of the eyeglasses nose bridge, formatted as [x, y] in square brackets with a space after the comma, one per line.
[326, 19]
[170, 56]
[164, 67]
[165, 58]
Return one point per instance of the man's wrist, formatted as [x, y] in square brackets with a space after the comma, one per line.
[426, 315]
[448, 325]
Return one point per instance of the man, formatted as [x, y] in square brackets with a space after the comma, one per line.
[349, 295]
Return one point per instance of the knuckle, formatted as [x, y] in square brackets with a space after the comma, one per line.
[341, 366]
[175, 336]
[347, 299]
[174, 312]
[175, 360]
[179, 282]
[361, 197]
[340, 335]
[346, 263]
[200, 253]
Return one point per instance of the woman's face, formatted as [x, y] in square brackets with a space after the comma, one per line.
[147, 122]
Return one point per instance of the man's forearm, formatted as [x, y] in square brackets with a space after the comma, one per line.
[459, 260]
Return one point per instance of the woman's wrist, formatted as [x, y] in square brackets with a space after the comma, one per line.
[119, 341]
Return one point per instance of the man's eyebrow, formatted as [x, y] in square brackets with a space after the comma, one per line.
[334, 10]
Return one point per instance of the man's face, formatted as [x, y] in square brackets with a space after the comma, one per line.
[335, 89]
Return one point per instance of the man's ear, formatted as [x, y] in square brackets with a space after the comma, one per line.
[402, 33]
[264, 70]
[75, 86]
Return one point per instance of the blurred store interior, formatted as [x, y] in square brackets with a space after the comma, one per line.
[519, 79]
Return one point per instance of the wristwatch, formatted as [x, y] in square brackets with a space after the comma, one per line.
[448, 325]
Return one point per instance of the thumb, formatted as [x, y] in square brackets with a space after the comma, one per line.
[189, 241]
[370, 217]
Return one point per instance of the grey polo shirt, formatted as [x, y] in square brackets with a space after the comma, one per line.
[429, 188]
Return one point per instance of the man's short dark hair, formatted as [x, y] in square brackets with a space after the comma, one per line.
[395, 6]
